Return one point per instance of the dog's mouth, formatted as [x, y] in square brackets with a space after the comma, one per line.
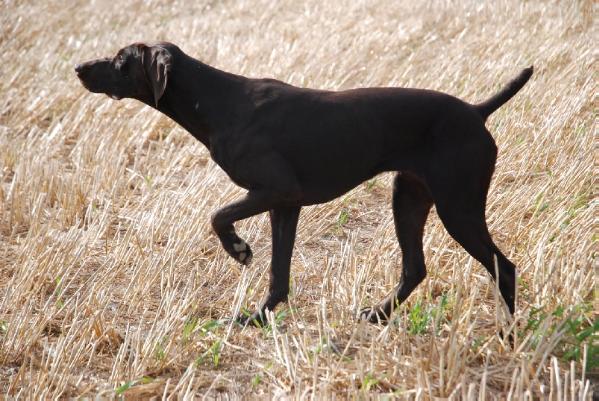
[96, 90]
[93, 87]
[85, 85]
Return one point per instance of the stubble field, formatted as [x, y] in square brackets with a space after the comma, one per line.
[113, 284]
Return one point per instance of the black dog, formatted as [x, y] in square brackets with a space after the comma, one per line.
[291, 147]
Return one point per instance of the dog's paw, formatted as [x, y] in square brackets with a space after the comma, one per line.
[374, 315]
[243, 252]
[508, 338]
[240, 251]
[256, 319]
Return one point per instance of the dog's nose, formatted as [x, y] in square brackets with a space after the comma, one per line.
[78, 68]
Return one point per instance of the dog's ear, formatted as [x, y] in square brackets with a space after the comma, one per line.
[157, 63]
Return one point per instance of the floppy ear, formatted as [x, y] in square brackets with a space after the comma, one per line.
[157, 64]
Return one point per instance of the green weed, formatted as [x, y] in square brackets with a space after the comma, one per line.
[188, 328]
[127, 385]
[213, 354]
[256, 380]
[343, 218]
[368, 382]
[580, 328]
[58, 292]
[420, 318]
[160, 350]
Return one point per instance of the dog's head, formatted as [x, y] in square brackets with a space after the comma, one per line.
[138, 71]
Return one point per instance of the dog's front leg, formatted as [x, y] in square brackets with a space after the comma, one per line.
[283, 222]
[281, 194]
[255, 202]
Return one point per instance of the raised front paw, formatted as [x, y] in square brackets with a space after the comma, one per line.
[240, 251]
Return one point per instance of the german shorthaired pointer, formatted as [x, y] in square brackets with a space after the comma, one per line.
[292, 147]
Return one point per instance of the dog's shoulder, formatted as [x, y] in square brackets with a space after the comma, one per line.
[267, 91]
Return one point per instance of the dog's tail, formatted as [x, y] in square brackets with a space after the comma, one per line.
[487, 107]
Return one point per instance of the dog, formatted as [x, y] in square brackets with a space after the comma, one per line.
[291, 147]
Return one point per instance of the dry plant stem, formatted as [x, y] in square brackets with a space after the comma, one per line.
[113, 283]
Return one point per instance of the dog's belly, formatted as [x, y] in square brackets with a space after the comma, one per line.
[327, 165]
[325, 177]
[313, 195]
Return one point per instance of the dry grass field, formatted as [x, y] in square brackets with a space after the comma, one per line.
[113, 285]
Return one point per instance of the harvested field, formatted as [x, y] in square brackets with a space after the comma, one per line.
[113, 284]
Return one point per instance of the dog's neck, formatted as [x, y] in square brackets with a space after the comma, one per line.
[199, 97]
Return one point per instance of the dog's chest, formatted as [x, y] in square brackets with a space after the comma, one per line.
[225, 154]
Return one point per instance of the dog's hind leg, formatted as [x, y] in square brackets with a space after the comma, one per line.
[411, 205]
[460, 193]
[469, 229]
